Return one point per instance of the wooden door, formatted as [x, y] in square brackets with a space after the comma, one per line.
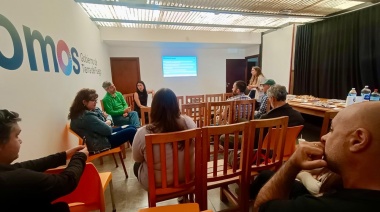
[125, 73]
[235, 70]
[251, 61]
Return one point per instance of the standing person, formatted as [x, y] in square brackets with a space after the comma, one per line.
[141, 98]
[95, 126]
[256, 91]
[115, 105]
[351, 149]
[165, 117]
[24, 186]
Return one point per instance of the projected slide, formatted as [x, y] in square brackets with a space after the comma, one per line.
[179, 66]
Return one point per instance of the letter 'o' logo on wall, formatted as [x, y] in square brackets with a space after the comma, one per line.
[62, 47]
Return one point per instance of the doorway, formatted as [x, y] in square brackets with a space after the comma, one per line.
[125, 73]
[239, 69]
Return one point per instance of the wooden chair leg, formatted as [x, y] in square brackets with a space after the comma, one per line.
[101, 160]
[122, 163]
[223, 196]
[114, 159]
[123, 150]
[112, 198]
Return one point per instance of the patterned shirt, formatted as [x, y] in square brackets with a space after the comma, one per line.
[240, 97]
[263, 107]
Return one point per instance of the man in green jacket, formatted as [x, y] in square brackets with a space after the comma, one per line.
[116, 106]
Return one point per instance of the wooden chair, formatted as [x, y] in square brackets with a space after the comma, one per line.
[186, 207]
[101, 105]
[329, 115]
[167, 143]
[143, 111]
[243, 110]
[130, 101]
[89, 194]
[226, 96]
[181, 101]
[113, 151]
[269, 153]
[194, 99]
[197, 111]
[219, 113]
[290, 142]
[214, 97]
[220, 172]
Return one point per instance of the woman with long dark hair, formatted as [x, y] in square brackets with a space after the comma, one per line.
[94, 125]
[165, 117]
[141, 98]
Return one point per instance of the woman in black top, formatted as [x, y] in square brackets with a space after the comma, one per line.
[141, 98]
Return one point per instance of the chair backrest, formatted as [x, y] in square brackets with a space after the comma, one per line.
[101, 105]
[214, 97]
[88, 194]
[226, 96]
[143, 111]
[219, 113]
[181, 101]
[197, 111]
[194, 99]
[164, 143]
[269, 154]
[243, 110]
[290, 141]
[130, 100]
[80, 140]
[329, 115]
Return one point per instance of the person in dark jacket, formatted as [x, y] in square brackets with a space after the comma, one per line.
[24, 186]
[94, 125]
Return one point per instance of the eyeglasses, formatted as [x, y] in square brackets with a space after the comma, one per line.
[94, 100]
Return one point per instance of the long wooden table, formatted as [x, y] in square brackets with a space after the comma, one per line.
[309, 109]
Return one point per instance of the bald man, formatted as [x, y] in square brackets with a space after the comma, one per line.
[351, 149]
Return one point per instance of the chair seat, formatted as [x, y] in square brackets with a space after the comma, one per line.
[111, 151]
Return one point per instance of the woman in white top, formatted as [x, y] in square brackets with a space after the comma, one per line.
[165, 117]
[254, 83]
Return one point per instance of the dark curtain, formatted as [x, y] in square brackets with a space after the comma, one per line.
[334, 55]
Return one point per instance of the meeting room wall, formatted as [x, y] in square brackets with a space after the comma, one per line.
[42, 98]
[211, 66]
[277, 52]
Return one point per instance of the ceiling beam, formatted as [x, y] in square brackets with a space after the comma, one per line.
[180, 24]
[187, 9]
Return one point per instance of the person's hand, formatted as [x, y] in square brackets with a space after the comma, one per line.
[108, 122]
[308, 156]
[127, 110]
[72, 151]
[105, 114]
[85, 151]
[125, 114]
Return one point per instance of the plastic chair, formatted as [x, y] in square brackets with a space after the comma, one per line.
[143, 111]
[329, 115]
[190, 184]
[187, 207]
[116, 150]
[89, 194]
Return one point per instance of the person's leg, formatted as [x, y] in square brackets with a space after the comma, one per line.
[136, 167]
[120, 120]
[298, 189]
[122, 136]
[134, 119]
[259, 182]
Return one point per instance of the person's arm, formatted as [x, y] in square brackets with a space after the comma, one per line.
[137, 100]
[107, 104]
[138, 145]
[26, 183]
[151, 92]
[43, 164]
[279, 186]
[94, 124]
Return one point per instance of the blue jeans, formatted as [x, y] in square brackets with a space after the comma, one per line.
[131, 119]
[120, 136]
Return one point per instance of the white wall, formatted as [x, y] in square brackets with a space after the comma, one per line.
[43, 98]
[211, 67]
[276, 58]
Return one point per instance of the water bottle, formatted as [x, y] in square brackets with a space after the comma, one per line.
[375, 96]
[351, 97]
[366, 93]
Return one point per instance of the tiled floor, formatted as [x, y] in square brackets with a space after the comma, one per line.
[130, 196]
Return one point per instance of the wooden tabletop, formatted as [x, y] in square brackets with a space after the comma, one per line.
[309, 108]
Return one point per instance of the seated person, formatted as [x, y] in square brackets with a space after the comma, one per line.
[115, 105]
[94, 126]
[238, 89]
[263, 105]
[351, 149]
[165, 117]
[141, 98]
[24, 186]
